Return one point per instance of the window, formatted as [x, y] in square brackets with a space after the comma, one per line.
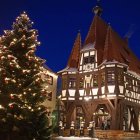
[49, 79]
[50, 96]
[102, 78]
[120, 77]
[111, 77]
[92, 59]
[95, 81]
[128, 83]
[64, 83]
[85, 60]
[72, 83]
[81, 82]
[89, 59]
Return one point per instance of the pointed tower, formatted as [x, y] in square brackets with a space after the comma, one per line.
[91, 54]
[73, 60]
[75, 53]
[109, 53]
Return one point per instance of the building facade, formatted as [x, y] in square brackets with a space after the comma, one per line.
[51, 84]
[101, 82]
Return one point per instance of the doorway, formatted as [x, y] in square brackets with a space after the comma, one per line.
[102, 117]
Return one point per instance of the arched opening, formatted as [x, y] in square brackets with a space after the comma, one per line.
[102, 117]
[80, 116]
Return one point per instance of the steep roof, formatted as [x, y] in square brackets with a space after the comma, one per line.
[75, 53]
[117, 49]
[97, 36]
[109, 45]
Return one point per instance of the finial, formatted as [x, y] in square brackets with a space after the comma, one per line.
[98, 9]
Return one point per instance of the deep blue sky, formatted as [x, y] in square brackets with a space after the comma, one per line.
[58, 22]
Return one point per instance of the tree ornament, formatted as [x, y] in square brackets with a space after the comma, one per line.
[11, 96]
[6, 80]
[23, 45]
[11, 106]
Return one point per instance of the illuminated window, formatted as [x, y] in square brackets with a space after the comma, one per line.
[72, 82]
[81, 82]
[95, 80]
[110, 77]
[49, 79]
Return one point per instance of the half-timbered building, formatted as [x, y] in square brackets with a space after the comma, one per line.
[101, 81]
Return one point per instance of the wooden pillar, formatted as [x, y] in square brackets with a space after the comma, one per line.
[136, 120]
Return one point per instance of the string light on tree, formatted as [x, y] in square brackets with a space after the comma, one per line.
[20, 70]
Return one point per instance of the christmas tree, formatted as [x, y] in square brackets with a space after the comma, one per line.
[22, 89]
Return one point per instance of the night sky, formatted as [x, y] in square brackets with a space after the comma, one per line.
[58, 22]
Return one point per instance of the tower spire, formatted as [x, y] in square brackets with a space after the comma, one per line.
[98, 9]
[74, 57]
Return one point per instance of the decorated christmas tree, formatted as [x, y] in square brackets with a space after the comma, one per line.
[22, 89]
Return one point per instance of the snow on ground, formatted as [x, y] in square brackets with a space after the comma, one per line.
[75, 138]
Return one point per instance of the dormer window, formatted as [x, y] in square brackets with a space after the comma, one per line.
[89, 59]
[86, 60]
[92, 59]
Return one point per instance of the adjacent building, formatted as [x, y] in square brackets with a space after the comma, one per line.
[51, 84]
[101, 81]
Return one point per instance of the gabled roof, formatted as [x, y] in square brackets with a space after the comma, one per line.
[117, 49]
[49, 69]
[73, 61]
[75, 53]
[109, 45]
[97, 31]
[97, 36]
